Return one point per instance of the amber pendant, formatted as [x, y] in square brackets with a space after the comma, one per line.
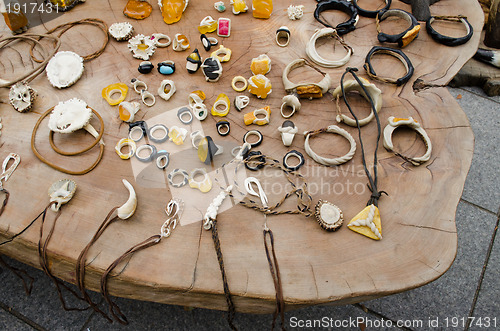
[367, 223]
[329, 216]
[137, 9]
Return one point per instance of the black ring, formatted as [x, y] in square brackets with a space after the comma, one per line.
[158, 140]
[150, 157]
[259, 160]
[393, 52]
[253, 132]
[445, 40]
[142, 125]
[223, 124]
[370, 13]
[298, 155]
[183, 111]
[403, 38]
[346, 7]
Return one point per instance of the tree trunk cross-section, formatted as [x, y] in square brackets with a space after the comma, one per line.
[418, 216]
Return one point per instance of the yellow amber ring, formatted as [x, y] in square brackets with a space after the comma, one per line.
[125, 142]
[260, 86]
[255, 117]
[204, 185]
[108, 92]
[223, 54]
[239, 79]
[222, 100]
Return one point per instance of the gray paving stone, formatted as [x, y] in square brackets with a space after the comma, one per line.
[148, 316]
[452, 294]
[481, 186]
[43, 305]
[488, 306]
[10, 322]
[479, 91]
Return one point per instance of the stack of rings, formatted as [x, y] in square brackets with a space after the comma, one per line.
[403, 38]
[177, 172]
[182, 113]
[253, 133]
[293, 153]
[223, 127]
[344, 6]
[393, 52]
[141, 88]
[324, 160]
[445, 40]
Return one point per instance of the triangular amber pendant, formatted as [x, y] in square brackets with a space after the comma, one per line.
[367, 222]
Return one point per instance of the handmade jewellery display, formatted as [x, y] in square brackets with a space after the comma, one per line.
[370, 13]
[353, 85]
[330, 161]
[398, 54]
[5, 175]
[123, 212]
[446, 40]
[403, 38]
[393, 124]
[312, 53]
[367, 222]
[174, 211]
[21, 95]
[344, 6]
[67, 117]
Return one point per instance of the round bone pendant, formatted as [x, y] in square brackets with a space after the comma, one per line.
[329, 216]
[21, 97]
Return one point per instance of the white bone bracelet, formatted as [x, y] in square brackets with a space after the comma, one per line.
[309, 89]
[352, 85]
[413, 124]
[324, 160]
[312, 53]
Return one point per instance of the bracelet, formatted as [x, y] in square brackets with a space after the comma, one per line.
[257, 133]
[152, 149]
[352, 85]
[204, 185]
[222, 100]
[403, 38]
[223, 127]
[166, 89]
[175, 173]
[412, 124]
[283, 36]
[239, 79]
[305, 90]
[393, 52]
[318, 59]
[370, 13]
[445, 40]
[341, 5]
[125, 142]
[157, 127]
[162, 159]
[140, 126]
[293, 153]
[324, 160]
[288, 131]
[182, 113]
[251, 118]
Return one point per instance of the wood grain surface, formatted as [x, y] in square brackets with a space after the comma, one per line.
[418, 215]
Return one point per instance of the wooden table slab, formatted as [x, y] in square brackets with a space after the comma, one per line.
[418, 216]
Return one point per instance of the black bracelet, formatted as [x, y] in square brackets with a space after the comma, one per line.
[346, 7]
[298, 155]
[223, 127]
[393, 52]
[403, 38]
[445, 40]
[370, 13]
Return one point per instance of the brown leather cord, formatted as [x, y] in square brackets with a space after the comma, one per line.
[66, 26]
[66, 171]
[275, 273]
[59, 151]
[30, 75]
[80, 262]
[114, 310]
[227, 293]
[19, 273]
[44, 263]
[5, 200]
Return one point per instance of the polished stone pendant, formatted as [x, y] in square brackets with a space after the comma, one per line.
[329, 216]
[367, 223]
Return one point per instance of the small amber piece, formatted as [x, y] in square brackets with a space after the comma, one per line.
[260, 65]
[239, 6]
[172, 10]
[262, 8]
[108, 91]
[15, 21]
[260, 86]
[410, 35]
[137, 9]
[309, 91]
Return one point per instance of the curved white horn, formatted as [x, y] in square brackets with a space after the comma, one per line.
[128, 208]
